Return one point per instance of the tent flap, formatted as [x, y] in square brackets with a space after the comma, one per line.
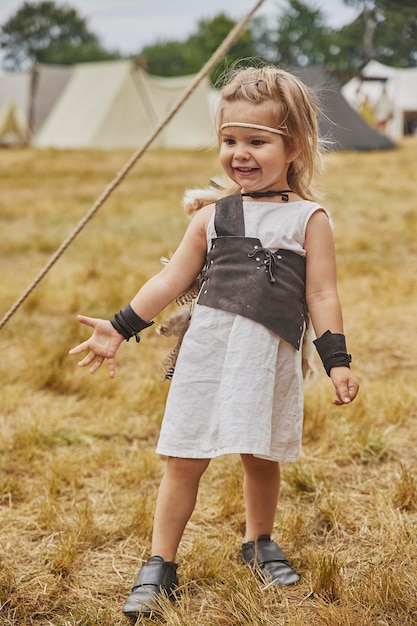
[117, 105]
[13, 127]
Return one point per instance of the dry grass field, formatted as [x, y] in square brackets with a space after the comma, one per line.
[78, 470]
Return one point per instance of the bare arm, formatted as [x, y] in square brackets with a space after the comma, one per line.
[322, 297]
[179, 273]
[321, 281]
[152, 297]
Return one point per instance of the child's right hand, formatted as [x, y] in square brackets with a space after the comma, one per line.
[103, 344]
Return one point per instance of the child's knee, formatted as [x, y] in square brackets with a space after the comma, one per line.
[255, 465]
[187, 468]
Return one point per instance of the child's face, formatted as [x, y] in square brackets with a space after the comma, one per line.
[254, 159]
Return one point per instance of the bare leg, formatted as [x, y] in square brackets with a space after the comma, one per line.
[176, 500]
[261, 490]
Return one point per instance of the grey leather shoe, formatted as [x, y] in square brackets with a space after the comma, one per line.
[266, 556]
[155, 578]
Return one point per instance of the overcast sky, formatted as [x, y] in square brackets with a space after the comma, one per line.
[129, 25]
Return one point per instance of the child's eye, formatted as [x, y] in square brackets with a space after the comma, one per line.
[228, 141]
[257, 142]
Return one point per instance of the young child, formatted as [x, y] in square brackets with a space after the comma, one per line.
[267, 260]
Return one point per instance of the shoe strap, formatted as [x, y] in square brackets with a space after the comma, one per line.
[268, 551]
[160, 573]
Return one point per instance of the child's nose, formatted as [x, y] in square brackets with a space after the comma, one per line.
[241, 154]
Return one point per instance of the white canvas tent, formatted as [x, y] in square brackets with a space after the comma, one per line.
[48, 81]
[14, 106]
[31, 95]
[114, 104]
[193, 124]
[13, 128]
[398, 87]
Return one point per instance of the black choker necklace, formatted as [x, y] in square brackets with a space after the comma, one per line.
[269, 194]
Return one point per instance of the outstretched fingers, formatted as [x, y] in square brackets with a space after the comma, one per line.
[91, 358]
[88, 321]
[85, 345]
[112, 367]
[96, 361]
[102, 344]
[82, 347]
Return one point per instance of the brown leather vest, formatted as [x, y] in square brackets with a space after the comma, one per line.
[243, 277]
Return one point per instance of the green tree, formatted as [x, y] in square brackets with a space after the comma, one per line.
[385, 30]
[348, 52]
[173, 58]
[46, 33]
[167, 58]
[301, 37]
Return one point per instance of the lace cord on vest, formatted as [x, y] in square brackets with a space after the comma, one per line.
[269, 261]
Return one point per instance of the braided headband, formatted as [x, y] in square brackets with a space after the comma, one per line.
[256, 126]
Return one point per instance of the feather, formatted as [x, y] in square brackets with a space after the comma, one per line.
[307, 358]
[174, 326]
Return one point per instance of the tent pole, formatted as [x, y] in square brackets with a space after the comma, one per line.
[34, 77]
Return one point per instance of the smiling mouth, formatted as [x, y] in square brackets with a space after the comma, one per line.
[245, 170]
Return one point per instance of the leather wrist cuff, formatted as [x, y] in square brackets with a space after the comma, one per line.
[128, 324]
[332, 350]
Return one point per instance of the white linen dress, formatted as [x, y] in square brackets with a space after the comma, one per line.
[238, 387]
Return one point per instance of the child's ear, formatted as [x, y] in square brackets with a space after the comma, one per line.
[293, 150]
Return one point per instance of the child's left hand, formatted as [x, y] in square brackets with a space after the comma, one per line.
[345, 384]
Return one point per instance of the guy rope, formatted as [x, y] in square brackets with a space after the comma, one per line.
[216, 57]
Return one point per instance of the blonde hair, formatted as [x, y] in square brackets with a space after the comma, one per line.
[293, 106]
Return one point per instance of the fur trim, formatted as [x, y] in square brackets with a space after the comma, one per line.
[176, 324]
[195, 199]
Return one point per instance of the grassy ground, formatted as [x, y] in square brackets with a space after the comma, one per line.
[78, 471]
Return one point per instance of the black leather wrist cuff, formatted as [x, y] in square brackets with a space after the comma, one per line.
[128, 324]
[332, 350]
